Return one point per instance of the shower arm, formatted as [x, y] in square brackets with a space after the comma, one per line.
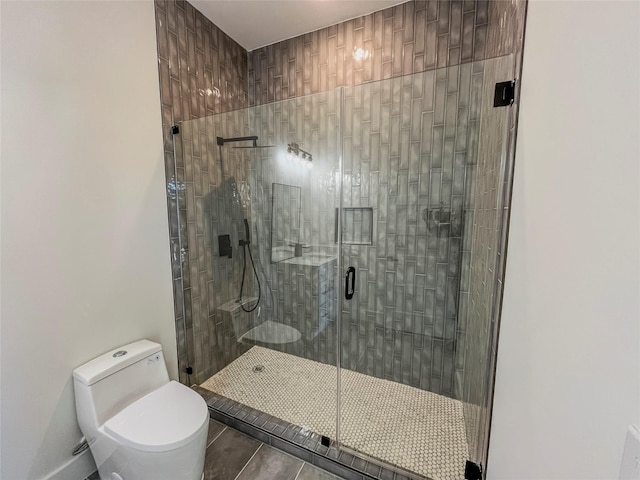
[221, 141]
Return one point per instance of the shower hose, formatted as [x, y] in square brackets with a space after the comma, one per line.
[244, 269]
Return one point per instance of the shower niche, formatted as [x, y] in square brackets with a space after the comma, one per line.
[357, 225]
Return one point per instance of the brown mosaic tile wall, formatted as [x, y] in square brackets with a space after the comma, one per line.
[409, 38]
[202, 72]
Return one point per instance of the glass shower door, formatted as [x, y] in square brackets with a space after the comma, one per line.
[373, 221]
[260, 257]
[423, 173]
[295, 190]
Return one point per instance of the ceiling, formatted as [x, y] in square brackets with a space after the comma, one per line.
[256, 23]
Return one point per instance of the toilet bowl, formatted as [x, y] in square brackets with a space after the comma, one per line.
[138, 423]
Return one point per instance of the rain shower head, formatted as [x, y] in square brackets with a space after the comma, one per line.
[221, 141]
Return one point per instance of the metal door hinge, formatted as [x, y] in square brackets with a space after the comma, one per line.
[472, 471]
[505, 93]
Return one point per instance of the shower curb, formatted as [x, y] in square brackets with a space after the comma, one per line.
[298, 441]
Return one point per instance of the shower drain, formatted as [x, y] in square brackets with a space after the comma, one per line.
[258, 368]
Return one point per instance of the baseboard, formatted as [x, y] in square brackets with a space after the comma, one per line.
[76, 468]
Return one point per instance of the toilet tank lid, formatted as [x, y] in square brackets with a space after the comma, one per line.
[114, 360]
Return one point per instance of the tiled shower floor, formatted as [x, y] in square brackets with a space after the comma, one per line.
[419, 431]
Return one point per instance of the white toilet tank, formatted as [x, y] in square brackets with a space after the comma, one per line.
[107, 384]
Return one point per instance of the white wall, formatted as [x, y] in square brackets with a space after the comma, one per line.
[85, 251]
[568, 372]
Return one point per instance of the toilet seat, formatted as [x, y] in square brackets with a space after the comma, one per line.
[163, 420]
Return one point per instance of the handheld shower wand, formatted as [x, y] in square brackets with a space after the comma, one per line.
[247, 234]
[247, 243]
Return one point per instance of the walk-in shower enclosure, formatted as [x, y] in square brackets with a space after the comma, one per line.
[376, 222]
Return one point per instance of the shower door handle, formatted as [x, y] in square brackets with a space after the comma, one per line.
[350, 283]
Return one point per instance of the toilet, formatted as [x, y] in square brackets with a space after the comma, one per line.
[138, 423]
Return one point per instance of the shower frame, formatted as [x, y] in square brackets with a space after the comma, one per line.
[508, 159]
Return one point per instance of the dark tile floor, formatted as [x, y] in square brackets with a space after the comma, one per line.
[232, 455]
